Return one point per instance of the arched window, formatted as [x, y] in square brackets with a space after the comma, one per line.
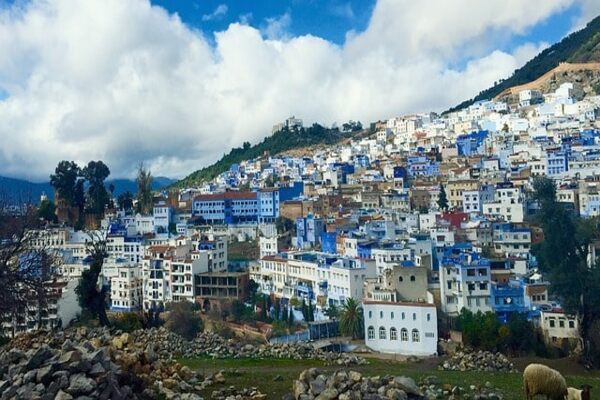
[415, 335]
[382, 334]
[404, 335]
[400, 279]
[371, 333]
[412, 278]
[393, 334]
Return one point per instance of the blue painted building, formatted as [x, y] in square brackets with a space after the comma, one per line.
[471, 143]
[508, 298]
[309, 231]
[227, 208]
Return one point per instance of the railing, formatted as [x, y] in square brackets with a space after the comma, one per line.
[303, 336]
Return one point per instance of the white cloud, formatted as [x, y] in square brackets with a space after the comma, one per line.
[218, 13]
[124, 81]
[276, 28]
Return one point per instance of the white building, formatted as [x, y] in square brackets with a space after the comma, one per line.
[401, 328]
[558, 328]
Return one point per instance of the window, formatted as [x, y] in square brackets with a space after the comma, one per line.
[403, 315]
[412, 278]
[392, 315]
[561, 323]
[380, 314]
[552, 323]
[371, 333]
[382, 334]
[404, 335]
[393, 334]
[370, 314]
[571, 324]
[415, 335]
[414, 316]
[428, 317]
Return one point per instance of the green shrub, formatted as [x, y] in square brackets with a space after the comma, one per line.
[183, 320]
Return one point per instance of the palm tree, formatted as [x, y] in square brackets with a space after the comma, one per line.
[351, 319]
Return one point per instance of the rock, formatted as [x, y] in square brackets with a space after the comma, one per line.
[63, 396]
[407, 384]
[79, 384]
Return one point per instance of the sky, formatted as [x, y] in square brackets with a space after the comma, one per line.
[176, 83]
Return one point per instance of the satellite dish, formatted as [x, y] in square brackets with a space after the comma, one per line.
[508, 300]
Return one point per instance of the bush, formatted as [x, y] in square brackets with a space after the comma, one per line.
[127, 322]
[221, 329]
[183, 321]
[279, 328]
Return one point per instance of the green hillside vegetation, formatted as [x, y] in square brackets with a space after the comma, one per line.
[579, 47]
[279, 142]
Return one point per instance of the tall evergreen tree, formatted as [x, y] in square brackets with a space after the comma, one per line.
[442, 199]
[64, 180]
[563, 257]
[90, 292]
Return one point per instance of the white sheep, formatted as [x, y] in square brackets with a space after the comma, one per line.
[579, 394]
[540, 379]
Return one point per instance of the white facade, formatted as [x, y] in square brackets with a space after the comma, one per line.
[401, 328]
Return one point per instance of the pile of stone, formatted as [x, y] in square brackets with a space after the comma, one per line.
[478, 361]
[231, 393]
[351, 385]
[168, 345]
[90, 364]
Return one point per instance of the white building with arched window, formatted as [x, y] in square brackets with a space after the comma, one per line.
[401, 328]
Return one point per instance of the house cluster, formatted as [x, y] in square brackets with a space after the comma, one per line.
[425, 216]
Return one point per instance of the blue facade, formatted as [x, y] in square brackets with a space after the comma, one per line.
[227, 208]
[291, 192]
[328, 242]
[556, 162]
[507, 299]
[471, 143]
[309, 231]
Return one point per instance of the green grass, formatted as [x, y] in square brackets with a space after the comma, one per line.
[260, 373]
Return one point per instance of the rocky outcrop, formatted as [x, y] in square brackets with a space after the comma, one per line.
[478, 361]
[351, 385]
[95, 363]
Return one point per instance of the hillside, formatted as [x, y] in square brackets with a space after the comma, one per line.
[17, 191]
[279, 142]
[579, 47]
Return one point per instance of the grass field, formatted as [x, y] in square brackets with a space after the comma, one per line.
[261, 374]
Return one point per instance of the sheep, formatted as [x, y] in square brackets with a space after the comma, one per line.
[579, 394]
[540, 379]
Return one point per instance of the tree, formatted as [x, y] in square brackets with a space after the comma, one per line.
[47, 211]
[333, 312]
[144, 193]
[563, 259]
[96, 173]
[24, 268]
[238, 310]
[64, 181]
[252, 290]
[442, 199]
[125, 201]
[351, 319]
[183, 320]
[90, 292]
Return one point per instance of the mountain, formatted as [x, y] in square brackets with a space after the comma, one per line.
[16, 191]
[281, 141]
[579, 47]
